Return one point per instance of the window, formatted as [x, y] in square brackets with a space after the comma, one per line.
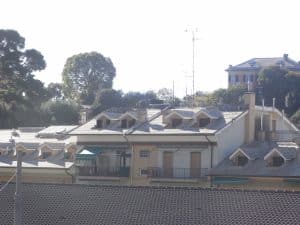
[245, 78]
[143, 172]
[131, 122]
[203, 122]
[241, 160]
[277, 161]
[99, 124]
[176, 122]
[46, 155]
[124, 123]
[144, 153]
[236, 78]
[252, 77]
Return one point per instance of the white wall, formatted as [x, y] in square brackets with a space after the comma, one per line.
[228, 139]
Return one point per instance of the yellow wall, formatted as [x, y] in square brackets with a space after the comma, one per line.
[139, 163]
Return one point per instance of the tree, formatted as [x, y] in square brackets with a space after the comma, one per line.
[166, 95]
[108, 98]
[60, 112]
[282, 85]
[55, 91]
[138, 99]
[85, 75]
[17, 67]
[274, 85]
[231, 96]
[296, 118]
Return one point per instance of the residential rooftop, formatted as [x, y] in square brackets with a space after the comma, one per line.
[257, 165]
[52, 204]
[154, 123]
[258, 63]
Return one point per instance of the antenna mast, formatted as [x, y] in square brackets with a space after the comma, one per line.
[193, 31]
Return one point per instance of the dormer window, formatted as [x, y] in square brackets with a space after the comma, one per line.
[276, 161]
[203, 122]
[46, 155]
[99, 123]
[241, 160]
[124, 123]
[176, 122]
[127, 123]
[278, 156]
[131, 122]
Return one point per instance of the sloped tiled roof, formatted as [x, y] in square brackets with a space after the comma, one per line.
[287, 153]
[258, 167]
[51, 204]
[257, 63]
[155, 123]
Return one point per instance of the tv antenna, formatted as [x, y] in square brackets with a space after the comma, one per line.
[194, 38]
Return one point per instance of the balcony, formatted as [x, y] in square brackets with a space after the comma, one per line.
[93, 171]
[287, 135]
[177, 173]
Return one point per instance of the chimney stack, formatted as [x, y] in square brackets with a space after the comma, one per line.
[249, 100]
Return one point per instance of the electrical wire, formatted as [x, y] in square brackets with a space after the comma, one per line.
[7, 183]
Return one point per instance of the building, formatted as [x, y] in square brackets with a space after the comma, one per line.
[172, 145]
[47, 154]
[53, 204]
[246, 73]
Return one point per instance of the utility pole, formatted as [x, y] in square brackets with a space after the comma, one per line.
[193, 31]
[18, 194]
[173, 93]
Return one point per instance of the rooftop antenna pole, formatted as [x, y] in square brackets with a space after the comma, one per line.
[193, 31]
[262, 115]
[173, 93]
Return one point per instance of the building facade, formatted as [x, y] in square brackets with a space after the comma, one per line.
[48, 154]
[173, 145]
[246, 73]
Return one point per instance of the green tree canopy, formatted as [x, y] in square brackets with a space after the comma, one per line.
[17, 67]
[282, 85]
[85, 75]
[60, 112]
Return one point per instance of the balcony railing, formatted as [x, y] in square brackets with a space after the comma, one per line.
[287, 135]
[107, 172]
[180, 173]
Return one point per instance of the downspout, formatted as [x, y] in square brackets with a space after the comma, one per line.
[211, 157]
[131, 161]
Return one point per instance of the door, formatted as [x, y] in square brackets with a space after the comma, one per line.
[168, 164]
[195, 170]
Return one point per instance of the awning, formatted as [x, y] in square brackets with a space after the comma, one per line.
[85, 155]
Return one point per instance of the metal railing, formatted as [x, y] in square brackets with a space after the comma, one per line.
[103, 172]
[180, 173]
[287, 135]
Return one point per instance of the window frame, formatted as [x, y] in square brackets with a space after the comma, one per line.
[144, 153]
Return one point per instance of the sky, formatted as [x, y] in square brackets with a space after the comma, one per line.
[147, 39]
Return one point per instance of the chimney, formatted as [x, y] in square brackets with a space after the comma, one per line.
[249, 100]
[285, 57]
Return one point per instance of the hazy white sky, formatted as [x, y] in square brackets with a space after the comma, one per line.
[146, 39]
